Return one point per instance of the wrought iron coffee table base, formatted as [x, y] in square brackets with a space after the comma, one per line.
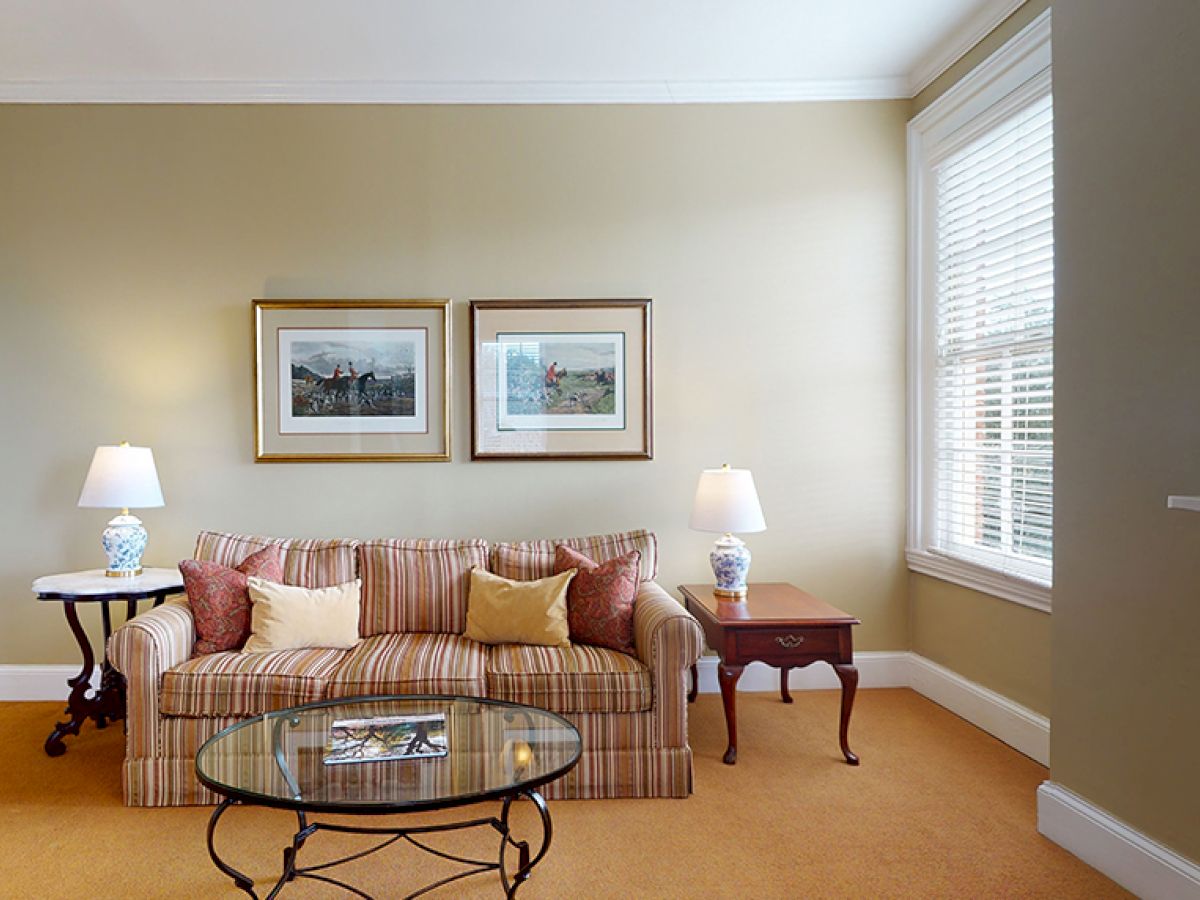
[291, 871]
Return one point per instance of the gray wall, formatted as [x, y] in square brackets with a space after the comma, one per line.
[1127, 432]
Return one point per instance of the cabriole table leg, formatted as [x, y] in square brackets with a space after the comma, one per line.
[848, 675]
[728, 676]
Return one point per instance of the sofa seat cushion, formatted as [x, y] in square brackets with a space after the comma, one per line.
[573, 679]
[413, 663]
[232, 683]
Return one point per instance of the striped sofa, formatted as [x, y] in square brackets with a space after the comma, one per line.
[631, 712]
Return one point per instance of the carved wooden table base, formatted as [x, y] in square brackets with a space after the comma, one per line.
[107, 702]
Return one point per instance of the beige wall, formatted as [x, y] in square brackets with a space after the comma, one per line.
[771, 238]
[1001, 645]
[997, 643]
[1127, 431]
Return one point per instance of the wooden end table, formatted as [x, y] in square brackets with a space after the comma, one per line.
[782, 626]
[106, 704]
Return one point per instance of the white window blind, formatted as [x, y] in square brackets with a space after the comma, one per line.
[994, 379]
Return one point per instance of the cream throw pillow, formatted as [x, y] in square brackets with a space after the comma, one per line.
[500, 611]
[283, 617]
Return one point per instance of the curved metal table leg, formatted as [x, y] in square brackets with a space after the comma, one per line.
[526, 859]
[525, 863]
[239, 879]
[289, 855]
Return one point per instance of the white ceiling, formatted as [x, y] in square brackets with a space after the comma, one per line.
[481, 50]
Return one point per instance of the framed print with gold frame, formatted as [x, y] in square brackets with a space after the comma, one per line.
[561, 379]
[351, 380]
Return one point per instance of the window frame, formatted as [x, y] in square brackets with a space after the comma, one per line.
[1009, 79]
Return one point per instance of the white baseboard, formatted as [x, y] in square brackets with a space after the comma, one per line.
[876, 669]
[1125, 855]
[1019, 727]
[38, 682]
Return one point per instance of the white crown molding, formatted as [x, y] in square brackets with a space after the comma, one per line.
[959, 43]
[1130, 858]
[415, 92]
[787, 91]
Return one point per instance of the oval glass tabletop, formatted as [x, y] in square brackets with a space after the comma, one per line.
[388, 754]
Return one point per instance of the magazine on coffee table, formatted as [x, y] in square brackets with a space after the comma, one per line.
[385, 738]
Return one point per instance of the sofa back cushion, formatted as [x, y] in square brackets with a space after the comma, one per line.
[306, 563]
[417, 585]
[530, 560]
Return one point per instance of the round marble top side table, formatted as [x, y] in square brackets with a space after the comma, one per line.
[107, 704]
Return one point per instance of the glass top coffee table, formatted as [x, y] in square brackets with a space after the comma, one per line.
[387, 755]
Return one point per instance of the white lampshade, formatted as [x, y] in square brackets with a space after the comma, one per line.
[122, 477]
[726, 502]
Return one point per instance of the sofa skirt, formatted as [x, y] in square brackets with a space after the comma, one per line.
[600, 774]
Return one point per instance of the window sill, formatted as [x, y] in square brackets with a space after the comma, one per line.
[979, 578]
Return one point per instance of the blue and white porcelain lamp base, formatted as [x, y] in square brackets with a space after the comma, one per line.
[730, 559]
[124, 541]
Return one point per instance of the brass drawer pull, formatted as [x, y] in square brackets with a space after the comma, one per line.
[788, 641]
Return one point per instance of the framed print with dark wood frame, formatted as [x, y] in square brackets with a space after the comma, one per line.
[561, 379]
[351, 380]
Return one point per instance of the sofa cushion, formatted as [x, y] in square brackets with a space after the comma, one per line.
[246, 684]
[528, 560]
[307, 563]
[220, 599]
[501, 611]
[411, 663]
[571, 679]
[600, 599]
[417, 585]
[288, 617]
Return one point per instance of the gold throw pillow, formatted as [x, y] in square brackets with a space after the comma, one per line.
[500, 611]
[283, 617]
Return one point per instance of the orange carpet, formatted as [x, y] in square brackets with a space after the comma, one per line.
[937, 809]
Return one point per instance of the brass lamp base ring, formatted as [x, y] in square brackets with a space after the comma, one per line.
[132, 573]
[739, 594]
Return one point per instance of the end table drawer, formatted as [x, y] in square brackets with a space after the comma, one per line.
[787, 643]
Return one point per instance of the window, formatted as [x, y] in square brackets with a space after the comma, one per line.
[982, 327]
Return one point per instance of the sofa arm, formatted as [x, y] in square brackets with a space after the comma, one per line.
[141, 650]
[668, 640]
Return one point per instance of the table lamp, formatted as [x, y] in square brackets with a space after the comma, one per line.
[120, 478]
[727, 502]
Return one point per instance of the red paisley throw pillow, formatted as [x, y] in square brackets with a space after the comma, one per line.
[220, 600]
[600, 598]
